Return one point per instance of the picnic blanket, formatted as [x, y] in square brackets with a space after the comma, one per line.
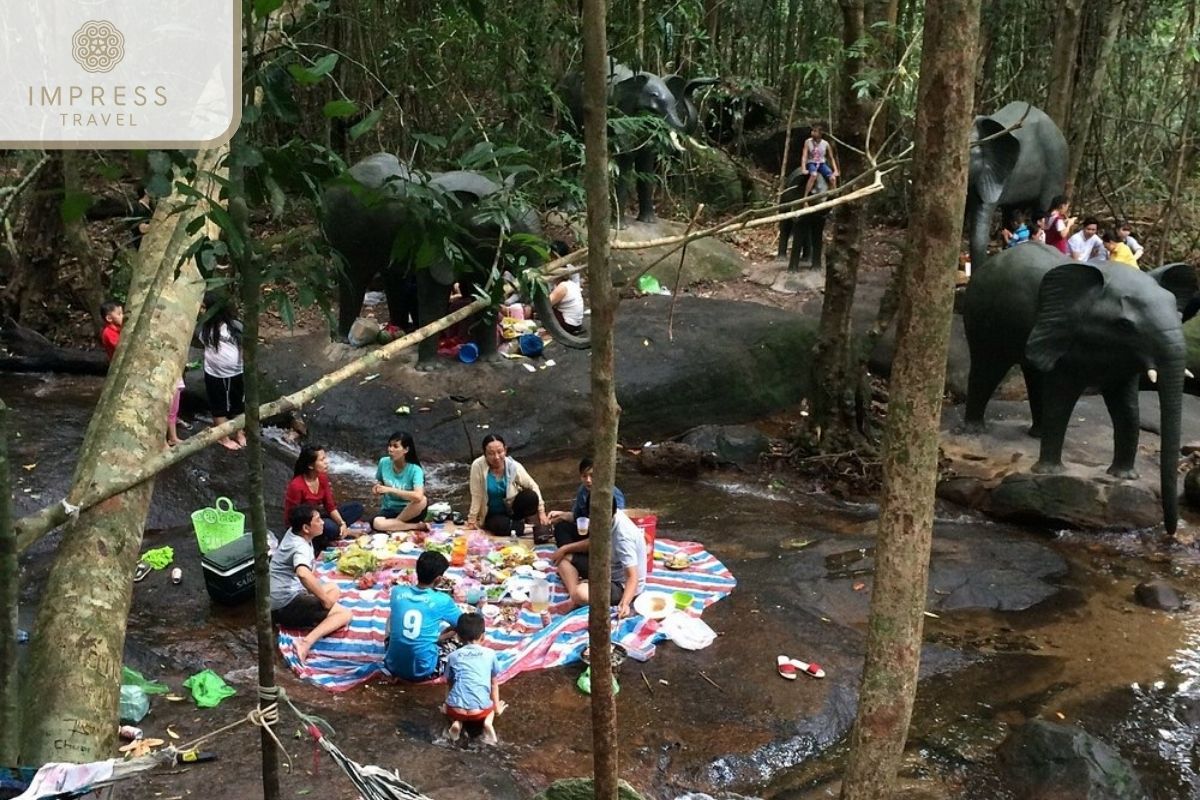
[355, 654]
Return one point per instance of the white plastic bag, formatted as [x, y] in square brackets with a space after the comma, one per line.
[690, 633]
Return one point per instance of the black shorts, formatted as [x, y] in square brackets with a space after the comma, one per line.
[305, 611]
[226, 396]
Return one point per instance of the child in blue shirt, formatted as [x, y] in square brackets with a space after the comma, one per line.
[471, 674]
[417, 646]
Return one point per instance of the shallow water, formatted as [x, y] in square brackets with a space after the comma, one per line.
[1086, 654]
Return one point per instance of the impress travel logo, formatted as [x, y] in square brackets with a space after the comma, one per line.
[120, 73]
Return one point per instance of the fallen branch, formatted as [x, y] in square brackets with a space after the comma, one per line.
[646, 681]
[16, 190]
[32, 527]
[710, 680]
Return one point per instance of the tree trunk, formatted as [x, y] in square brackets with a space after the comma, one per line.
[87, 594]
[836, 372]
[1087, 99]
[1067, 19]
[605, 770]
[1181, 160]
[910, 447]
[10, 598]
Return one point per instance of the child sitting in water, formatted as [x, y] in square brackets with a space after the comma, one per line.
[471, 672]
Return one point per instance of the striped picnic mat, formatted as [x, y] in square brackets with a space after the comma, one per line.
[354, 655]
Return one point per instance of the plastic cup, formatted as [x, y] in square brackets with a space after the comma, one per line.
[582, 525]
[683, 600]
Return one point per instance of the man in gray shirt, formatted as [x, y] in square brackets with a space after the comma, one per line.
[298, 598]
[628, 565]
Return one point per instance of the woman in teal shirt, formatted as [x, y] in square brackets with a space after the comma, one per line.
[400, 481]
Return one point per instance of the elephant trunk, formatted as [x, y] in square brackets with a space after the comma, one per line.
[545, 311]
[674, 120]
[1170, 399]
[980, 215]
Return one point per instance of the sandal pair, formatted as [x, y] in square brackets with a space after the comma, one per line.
[789, 668]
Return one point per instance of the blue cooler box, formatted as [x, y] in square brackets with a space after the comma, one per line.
[229, 571]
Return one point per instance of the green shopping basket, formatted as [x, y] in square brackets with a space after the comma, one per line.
[218, 526]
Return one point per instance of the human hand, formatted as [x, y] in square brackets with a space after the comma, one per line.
[378, 488]
[543, 519]
[622, 610]
[557, 556]
[343, 530]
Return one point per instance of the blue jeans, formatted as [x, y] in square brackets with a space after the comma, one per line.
[821, 167]
[351, 513]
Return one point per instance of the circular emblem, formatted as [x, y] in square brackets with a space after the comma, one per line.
[98, 46]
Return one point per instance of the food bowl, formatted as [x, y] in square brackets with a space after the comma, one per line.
[618, 655]
[683, 600]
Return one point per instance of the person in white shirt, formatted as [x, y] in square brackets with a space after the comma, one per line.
[628, 576]
[299, 599]
[221, 335]
[1085, 245]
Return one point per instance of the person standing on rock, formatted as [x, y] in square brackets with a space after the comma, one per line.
[221, 335]
[503, 496]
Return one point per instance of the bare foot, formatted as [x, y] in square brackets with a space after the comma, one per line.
[302, 648]
[453, 732]
[489, 737]
[229, 444]
[500, 706]
[241, 439]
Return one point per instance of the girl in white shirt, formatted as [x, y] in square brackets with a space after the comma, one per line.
[221, 335]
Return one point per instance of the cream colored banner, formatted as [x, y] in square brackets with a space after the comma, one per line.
[119, 73]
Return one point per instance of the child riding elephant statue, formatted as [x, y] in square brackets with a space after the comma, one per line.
[807, 233]
[387, 219]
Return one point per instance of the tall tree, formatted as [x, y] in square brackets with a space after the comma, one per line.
[87, 595]
[1066, 20]
[10, 596]
[1108, 15]
[944, 113]
[605, 757]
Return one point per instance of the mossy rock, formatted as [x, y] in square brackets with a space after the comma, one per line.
[706, 259]
[711, 177]
[581, 789]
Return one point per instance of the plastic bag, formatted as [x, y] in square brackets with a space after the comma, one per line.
[690, 633]
[134, 704]
[131, 677]
[208, 689]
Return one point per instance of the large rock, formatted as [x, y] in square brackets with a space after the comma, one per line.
[711, 176]
[991, 471]
[725, 362]
[1048, 761]
[728, 444]
[581, 789]
[1157, 594]
[707, 259]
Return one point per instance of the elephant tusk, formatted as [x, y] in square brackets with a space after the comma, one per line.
[676, 141]
[1187, 373]
[1152, 374]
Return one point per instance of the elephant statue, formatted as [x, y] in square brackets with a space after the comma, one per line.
[633, 94]
[383, 217]
[1072, 325]
[1023, 168]
[807, 233]
[685, 107]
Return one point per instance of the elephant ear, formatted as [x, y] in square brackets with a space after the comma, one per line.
[1064, 296]
[1179, 280]
[998, 158]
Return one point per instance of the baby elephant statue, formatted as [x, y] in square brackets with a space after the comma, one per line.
[382, 216]
[807, 233]
[1073, 325]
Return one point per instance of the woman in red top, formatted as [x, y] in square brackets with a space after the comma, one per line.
[1058, 224]
[310, 486]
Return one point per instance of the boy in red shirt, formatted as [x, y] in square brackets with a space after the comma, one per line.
[114, 317]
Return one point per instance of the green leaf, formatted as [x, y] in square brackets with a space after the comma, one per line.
[431, 140]
[74, 206]
[338, 109]
[325, 64]
[263, 8]
[195, 225]
[249, 157]
[303, 75]
[367, 123]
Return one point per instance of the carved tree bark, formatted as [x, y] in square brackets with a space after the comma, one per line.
[944, 113]
[605, 757]
[87, 595]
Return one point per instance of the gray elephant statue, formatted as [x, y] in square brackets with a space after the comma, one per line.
[1072, 325]
[685, 106]
[806, 234]
[380, 217]
[633, 94]
[1019, 169]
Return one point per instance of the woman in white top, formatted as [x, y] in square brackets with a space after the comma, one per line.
[567, 300]
[221, 335]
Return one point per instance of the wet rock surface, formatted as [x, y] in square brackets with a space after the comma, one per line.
[728, 444]
[992, 471]
[666, 381]
[1046, 760]
[1159, 595]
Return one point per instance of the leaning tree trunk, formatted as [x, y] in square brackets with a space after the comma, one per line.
[910, 448]
[836, 377]
[1067, 21]
[87, 595]
[10, 596]
[1084, 111]
[605, 763]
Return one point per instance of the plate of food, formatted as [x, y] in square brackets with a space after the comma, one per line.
[543, 565]
[677, 561]
[654, 605]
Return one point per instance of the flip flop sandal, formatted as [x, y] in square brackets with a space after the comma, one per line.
[143, 569]
[813, 669]
[786, 667]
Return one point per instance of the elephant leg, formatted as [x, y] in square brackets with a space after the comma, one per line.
[1122, 403]
[817, 240]
[433, 302]
[986, 373]
[624, 177]
[1034, 390]
[400, 286]
[785, 231]
[645, 161]
[352, 288]
[1059, 396]
[799, 243]
[484, 333]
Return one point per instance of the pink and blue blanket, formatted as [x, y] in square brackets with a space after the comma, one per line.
[354, 655]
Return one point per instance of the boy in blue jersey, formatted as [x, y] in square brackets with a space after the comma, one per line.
[471, 674]
[416, 643]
